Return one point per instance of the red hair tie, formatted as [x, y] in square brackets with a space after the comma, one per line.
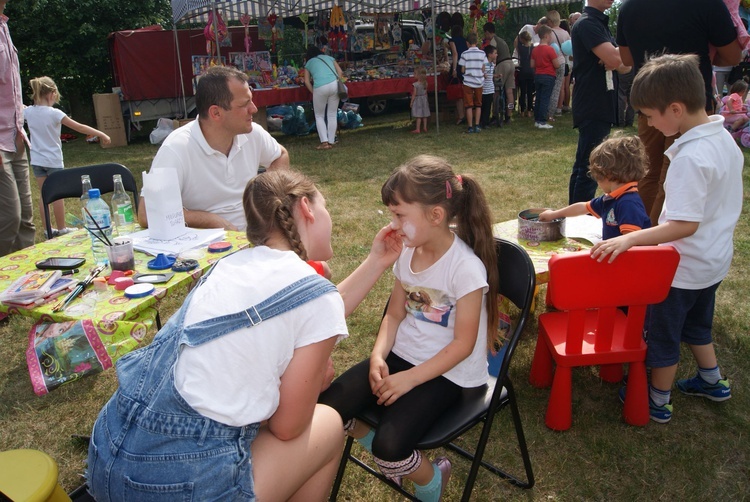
[460, 179]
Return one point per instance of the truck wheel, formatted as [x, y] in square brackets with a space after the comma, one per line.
[376, 105]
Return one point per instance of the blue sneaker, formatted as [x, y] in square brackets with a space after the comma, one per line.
[470, 130]
[660, 414]
[477, 129]
[696, 386]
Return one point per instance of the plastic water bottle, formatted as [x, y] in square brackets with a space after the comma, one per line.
[85, 187]
[122, 208]
[100, 212]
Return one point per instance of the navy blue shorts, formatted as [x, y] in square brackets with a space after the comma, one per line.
[685, 316]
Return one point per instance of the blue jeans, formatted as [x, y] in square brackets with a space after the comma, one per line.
[543, 84]
[590, 133]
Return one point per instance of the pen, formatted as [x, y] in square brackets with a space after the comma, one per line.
[70, 272]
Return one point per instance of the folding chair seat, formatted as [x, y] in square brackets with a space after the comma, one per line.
[477, 406]
[592, 328]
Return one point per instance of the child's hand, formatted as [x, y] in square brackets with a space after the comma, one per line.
[547, 215]
[393, 387]
[378, 371]
[613, 247]
[105, 139]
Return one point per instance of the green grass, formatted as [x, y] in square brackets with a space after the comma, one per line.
[703, 454]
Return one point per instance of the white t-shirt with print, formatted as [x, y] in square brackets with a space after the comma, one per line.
[704, 185]
[235, 379]
[45, 124]
[430, 319]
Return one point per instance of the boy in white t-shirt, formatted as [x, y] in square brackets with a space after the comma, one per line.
[472, 63]
[703, 202]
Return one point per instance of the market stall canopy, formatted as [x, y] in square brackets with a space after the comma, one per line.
[232, 10]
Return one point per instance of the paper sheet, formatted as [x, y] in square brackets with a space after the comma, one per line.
[191, 239]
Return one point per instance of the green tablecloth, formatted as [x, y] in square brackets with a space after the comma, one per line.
[110, 305]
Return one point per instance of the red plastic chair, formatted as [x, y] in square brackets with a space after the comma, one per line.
[591, 329]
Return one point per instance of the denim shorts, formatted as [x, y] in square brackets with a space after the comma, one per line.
[42, 172]
[685, 316]
[166, 460]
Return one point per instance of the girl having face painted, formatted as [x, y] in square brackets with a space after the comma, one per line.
[441, 317]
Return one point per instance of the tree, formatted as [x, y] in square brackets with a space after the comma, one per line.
[67, 40]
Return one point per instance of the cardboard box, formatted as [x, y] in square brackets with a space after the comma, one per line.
[109, 118]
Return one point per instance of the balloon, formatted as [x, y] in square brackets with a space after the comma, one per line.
[567, 48]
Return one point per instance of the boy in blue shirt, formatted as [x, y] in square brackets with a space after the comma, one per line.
[617, 165]
[703, 202]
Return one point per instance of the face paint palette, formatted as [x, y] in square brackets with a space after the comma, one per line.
[153, 277]
[219, 247]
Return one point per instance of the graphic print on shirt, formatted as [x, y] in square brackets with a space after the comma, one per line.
[611, 220]
[427, 304]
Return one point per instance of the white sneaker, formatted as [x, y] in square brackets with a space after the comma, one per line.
[543, 126]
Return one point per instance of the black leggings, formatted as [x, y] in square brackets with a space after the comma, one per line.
[526, 97]
[403, 423]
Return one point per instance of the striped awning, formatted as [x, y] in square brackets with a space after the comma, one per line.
[197, 10]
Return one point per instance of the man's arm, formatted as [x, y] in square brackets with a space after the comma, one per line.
[281, 162]
[626, 56]
[610, 56]
[728, 55]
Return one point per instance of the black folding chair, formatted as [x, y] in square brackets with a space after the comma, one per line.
[517, 283]
[66, 184]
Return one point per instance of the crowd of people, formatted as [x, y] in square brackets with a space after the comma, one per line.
[179, 425]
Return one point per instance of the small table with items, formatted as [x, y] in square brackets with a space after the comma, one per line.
[540, 252]
[100, 325]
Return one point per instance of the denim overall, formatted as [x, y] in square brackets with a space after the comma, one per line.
[149, 444]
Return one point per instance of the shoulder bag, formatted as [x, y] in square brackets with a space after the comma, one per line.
[343, 90]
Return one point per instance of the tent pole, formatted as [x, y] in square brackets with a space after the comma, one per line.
[179, 69]
[216, 33]
[434, 66]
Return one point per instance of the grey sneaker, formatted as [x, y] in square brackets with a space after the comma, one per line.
[445, 467]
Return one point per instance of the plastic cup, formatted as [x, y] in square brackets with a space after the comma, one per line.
[121, 255]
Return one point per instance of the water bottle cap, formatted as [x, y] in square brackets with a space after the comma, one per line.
[94, 193]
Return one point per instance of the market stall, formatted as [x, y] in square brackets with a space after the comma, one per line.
[278, 82]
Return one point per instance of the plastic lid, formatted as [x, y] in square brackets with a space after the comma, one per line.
[94, 193]
[161, 262]
[139, 290]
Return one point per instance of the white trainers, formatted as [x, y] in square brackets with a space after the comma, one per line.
[539, 125]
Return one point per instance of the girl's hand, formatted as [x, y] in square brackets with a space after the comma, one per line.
[394, 386]
[106, 140]
[378, 371]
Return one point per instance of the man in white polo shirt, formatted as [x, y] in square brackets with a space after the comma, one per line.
[217, 154]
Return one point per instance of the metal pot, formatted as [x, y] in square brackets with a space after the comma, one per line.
[531, 229]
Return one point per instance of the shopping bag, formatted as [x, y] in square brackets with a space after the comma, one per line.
[63, 352]
[161, 190]
[343, 91]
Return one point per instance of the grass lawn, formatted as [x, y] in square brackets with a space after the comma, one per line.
[703, 454]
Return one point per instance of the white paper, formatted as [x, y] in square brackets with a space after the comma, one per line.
[191, 239]
[584, 227]
[161, 189]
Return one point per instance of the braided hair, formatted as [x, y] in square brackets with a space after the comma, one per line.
[269, 201]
